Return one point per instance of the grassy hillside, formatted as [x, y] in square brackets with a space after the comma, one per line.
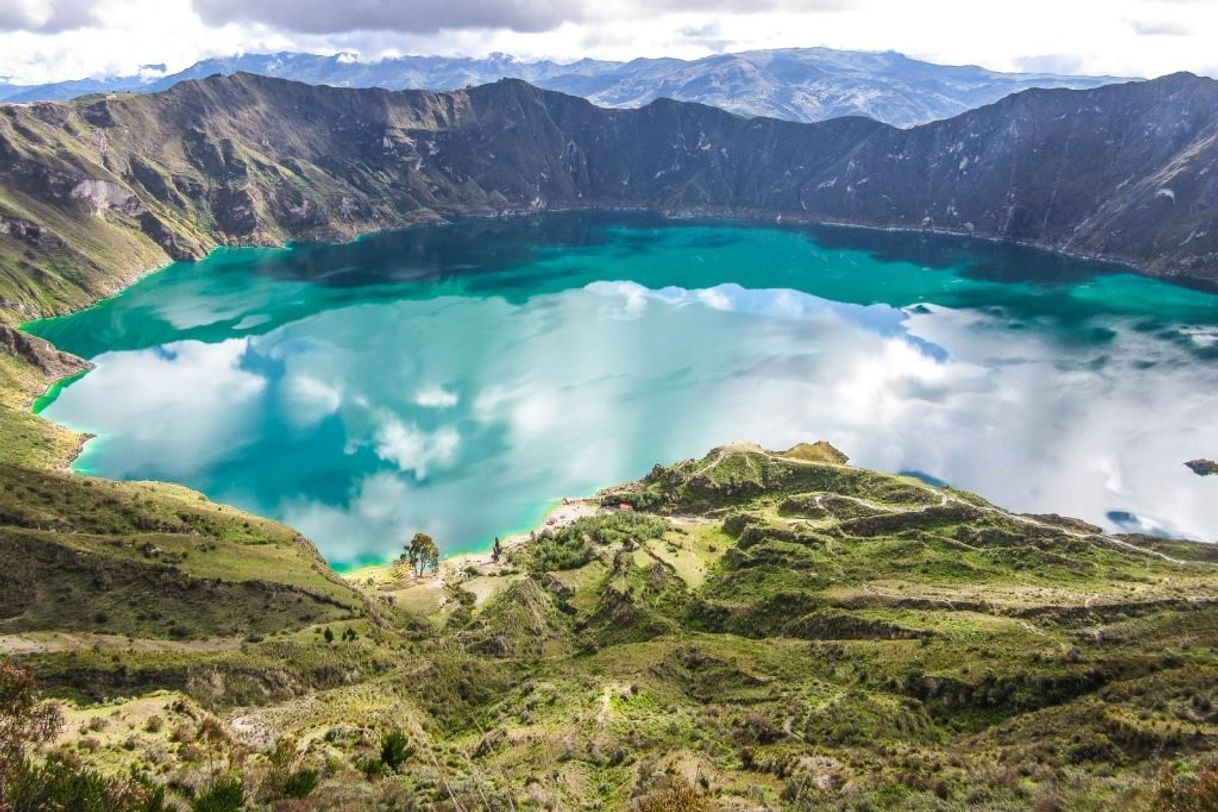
[761, 631]
[112, 589]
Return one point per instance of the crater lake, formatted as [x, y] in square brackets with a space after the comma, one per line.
[459, 379]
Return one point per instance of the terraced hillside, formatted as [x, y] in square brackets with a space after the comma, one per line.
[752, 630]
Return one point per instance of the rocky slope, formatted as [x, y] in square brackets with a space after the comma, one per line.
[98, 189]
[799, 84]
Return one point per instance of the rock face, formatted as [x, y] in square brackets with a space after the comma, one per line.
[798, 84]
[1123, 172]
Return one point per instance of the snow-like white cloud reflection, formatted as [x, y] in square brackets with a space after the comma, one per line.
[185, 405]
[465, 416]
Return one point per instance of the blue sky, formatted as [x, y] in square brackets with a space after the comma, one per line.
[46, 40]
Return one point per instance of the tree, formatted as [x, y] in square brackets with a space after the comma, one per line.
[496, 551]
[422, 553]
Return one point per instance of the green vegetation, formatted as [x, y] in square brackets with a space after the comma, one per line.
[761, 630]
[151, 561]
[395, 749]
[571, 547]
[27, 783]
[223, 795]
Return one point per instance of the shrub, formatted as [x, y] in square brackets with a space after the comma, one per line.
[223, 795]
[57, 784]
[1180, 791]
[395, 749]
[300, 783]
[562, 552]
[370, 767]
[570, 547]
[677, 797]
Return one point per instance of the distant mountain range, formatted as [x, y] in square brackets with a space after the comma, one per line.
[96, 190]
[806, 84]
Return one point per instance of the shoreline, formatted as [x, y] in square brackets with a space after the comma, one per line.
[560, 515]
[514, 535]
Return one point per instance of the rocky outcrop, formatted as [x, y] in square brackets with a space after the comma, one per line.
[1123, 172]
[27, 231]
[39, 354]
[103, 195]
[1203, 467]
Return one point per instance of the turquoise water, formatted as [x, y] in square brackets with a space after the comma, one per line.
[460, 379]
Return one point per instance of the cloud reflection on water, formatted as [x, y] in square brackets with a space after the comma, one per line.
[463, 416]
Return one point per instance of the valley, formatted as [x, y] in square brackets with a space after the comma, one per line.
[749, 629]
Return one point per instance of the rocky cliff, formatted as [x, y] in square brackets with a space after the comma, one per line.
[94, 190]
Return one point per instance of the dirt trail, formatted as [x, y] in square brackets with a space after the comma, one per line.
[45, 642]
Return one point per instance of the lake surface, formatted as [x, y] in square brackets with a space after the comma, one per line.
[460, 379]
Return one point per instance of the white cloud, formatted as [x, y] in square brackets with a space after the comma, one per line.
[414, 450]
[308, 399]
[426, 16]
[47, 15]
[715, 298]
[384, 510]
[173, 427]
[40, 41]
[436, 398]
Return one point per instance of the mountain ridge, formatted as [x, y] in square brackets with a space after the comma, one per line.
[799, 84]
[95, 190]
